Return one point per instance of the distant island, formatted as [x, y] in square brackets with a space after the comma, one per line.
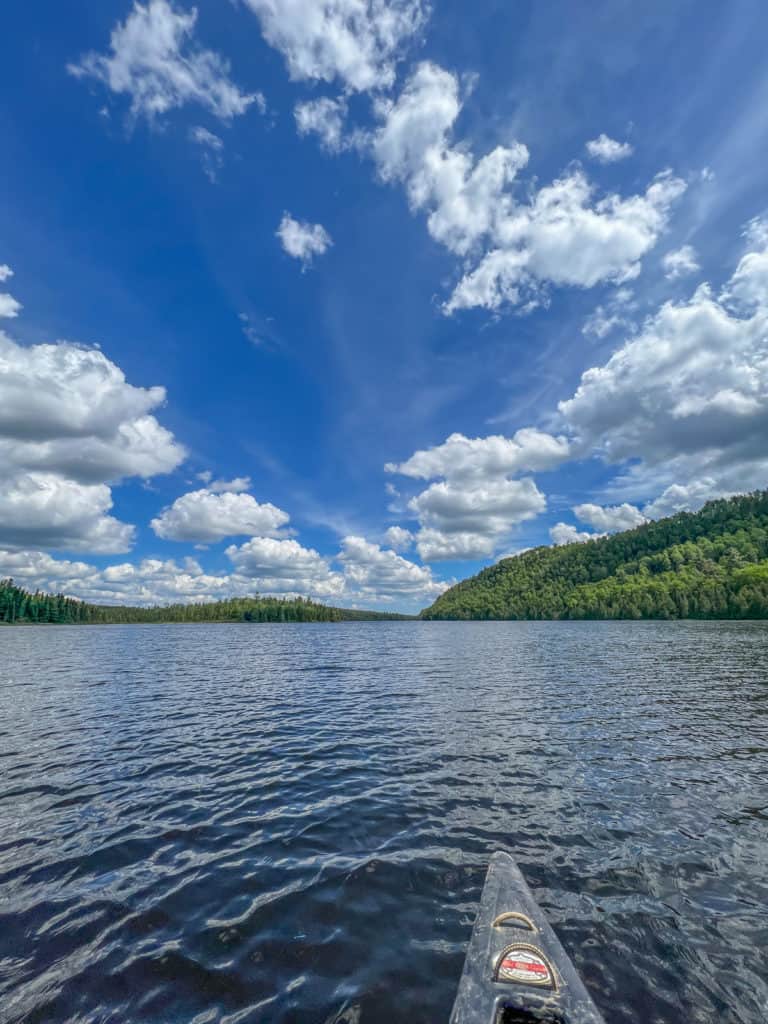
[711, 564]
[20, 606]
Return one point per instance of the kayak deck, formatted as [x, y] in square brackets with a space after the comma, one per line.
[516, 971]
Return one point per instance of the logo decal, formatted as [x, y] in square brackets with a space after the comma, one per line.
[525, 965]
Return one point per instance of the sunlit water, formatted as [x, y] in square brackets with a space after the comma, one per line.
[291, 823]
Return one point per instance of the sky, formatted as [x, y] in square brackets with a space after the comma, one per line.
[352, 298]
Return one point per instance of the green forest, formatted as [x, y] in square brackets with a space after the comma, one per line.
[18, 605]
[711, 564]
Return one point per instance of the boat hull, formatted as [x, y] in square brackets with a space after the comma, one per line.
[516, 970]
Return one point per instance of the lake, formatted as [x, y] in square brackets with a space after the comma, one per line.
[291, 823]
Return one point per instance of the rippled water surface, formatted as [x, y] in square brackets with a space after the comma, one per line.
[291, 823]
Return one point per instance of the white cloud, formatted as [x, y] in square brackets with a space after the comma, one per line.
[473, 505]
[205, 517]
[748, 287]
[325, 118]
[685, 402]
[370, 576]
[607, 150]
[398, 538]
[38, 569]
[489, 507]
[280, 566]
[68, 409]
[47, 510]
[140, 447]
[356, 41]
[684, 497]
[460, 457]
[756, 233]
[239, 483]
[610, 519]
[563, 234]
[680, 262]
[203, 137]
[563, 237]
[211, 150]
[9, 307]
[601, 322]
[70, 424]
[611, 315]
[439, 546]
[148, 582]
[302, 240]
[564, 533]
[376, 574]
[66, 390]
[155, 61]
[464, 198]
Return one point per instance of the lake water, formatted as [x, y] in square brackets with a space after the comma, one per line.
[291, 823]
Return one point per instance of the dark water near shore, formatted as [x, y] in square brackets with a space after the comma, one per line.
[292, 823]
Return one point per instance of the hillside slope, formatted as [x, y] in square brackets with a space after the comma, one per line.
[708, 564]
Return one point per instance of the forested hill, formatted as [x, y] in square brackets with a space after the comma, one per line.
[18, 605]
[707, 565]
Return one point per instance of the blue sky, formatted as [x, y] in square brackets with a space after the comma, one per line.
[349, 298]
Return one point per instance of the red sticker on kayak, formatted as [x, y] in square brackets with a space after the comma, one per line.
[525, 965]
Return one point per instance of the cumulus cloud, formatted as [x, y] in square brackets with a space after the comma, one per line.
[66, 390]
[412, 146]
[285, 566]
[47, 510]
[375, 573]
[680, 262]
[610, 519]
[685, 402]
[562, 233]
[460, 457]
[607, 150]
[688, 497]
[490, 507]
[368, 572]
[564, 237]
[70, 424]
[205, 516]
[475, 502]
[302, 240]
[436, 545]
[324, 118]
[356, 41]
[155, 61]
[398, 538]
[68, 409]
[9, 307]
[564, 533]
[148, 582]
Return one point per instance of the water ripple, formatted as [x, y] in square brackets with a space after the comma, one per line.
[291, 823]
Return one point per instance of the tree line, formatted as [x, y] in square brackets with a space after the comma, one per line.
[21, 606]
[711, 564]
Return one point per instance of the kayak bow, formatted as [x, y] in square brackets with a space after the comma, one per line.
[516, 971]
